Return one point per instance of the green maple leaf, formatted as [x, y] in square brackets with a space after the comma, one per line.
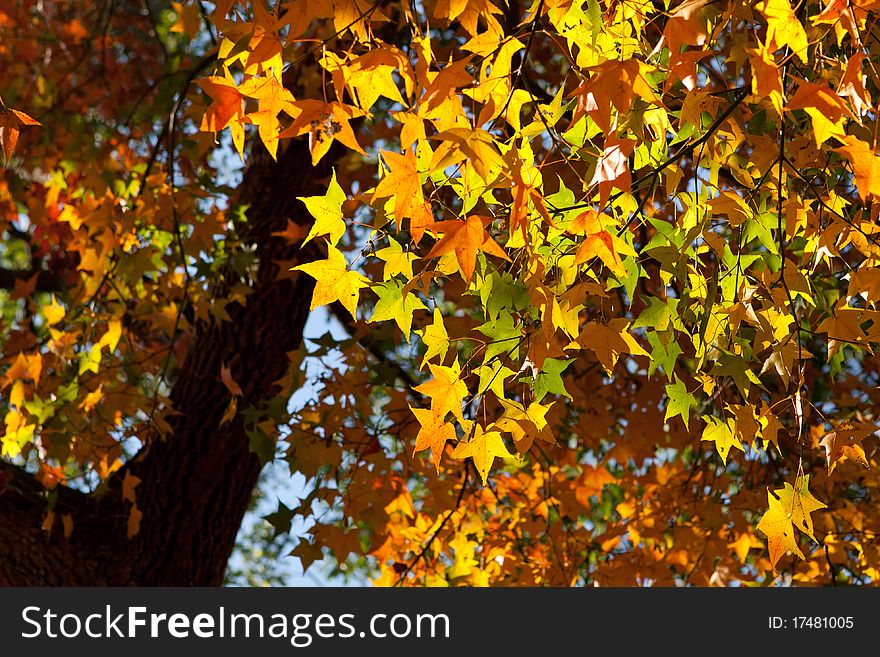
[662, 356]
[680, 401]
[394, 304]
[503, 336]
[549, 379]
[492, 378]
[655, 316]
[738, 369]
[397, 261]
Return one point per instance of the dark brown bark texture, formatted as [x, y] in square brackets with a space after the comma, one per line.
[197, 481]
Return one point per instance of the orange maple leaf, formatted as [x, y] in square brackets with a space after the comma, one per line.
[226, 110]
[403, 183]
[324, 122]
[11, 122]
[466, 238]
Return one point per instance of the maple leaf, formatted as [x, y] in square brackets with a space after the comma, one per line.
[371, 76]
[525, 424]
[11, 123]
[783, 27]
[722, 433]
[766, 78]
[327, 212]
[845, 443]
[402, 182]
[334, 281]
[272, 99]
[395, 304]
[54, 312]
[492, 377]
[613, 82]
[483, 448]
[466, 238]
[397, 261]
[475, 146]
[612, 169]
[777, 526]
[799, 503]
[865, 165]
[607, 247]
[446, 389]
[433, 434]
[825, 108]
[852, 85]
[324, 123]
[680, 401]
[226, 110]
[608, 341]
[435, 338]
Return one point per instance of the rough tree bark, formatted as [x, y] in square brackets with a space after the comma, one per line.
[198, 481]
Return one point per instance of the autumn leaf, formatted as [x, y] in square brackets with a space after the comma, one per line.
[865, 165]
[845, 443]
[612, 169]
[394, 303]
[446, 390]
[466, 238]
[680, 401]
[324, 123]
[608, 341]
[226, 110]
[433, 434]
[327, 212]
[783, 27]
[334, 281]
[436, 339]
[483, 448]
[475, 146]
[11, 123]
[723, 434]
[402, 182]
[799, 504]
[776, 525]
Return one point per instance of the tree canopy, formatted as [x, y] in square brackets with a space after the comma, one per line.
[609, 270]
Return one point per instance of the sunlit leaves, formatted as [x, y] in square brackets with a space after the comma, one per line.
[483, 447]
[327, 212]
[722, 433]
[466, 239]
[334, 281]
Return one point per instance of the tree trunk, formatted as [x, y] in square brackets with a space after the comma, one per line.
[197, 481]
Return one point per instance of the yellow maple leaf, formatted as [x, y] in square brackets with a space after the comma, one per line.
[783, 27]
[433, 434]
[446, 389]
[435, 338]
[483, 448]
[723, 434]
[799, 503]
[334, 281]
[766, 79]
[54, 312]
[776, 525]
[327, 212]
